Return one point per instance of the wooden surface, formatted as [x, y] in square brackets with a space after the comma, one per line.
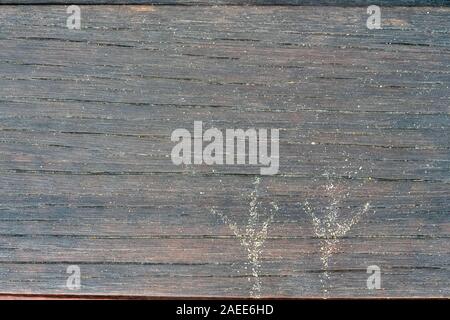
[243, 2]
[86, 175]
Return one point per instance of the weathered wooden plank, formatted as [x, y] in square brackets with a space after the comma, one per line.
[85, 124]
[243, 2]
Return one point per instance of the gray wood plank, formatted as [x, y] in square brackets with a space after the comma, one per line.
[243, 2]
[85, 123]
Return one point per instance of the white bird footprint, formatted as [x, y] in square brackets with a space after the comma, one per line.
[332, 226]
[254, 235]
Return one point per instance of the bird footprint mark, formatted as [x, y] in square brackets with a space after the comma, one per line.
[332, 225]
[254, 235]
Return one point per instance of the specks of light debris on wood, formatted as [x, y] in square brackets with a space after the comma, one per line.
[85, 124]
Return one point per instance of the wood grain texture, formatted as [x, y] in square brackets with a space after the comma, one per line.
[366, 3]
[85, 124]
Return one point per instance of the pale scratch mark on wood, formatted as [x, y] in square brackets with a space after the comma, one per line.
[141, 8]
[255, 234]
[332, 226]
